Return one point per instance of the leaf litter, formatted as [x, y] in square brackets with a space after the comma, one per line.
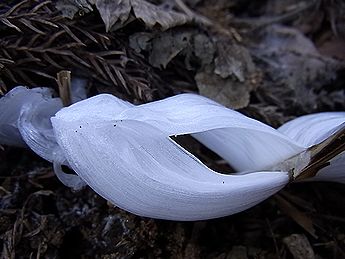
[272, 60]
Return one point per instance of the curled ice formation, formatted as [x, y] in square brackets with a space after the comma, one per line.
[124, 152]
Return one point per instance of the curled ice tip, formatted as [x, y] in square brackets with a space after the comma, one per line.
[35, 126]
[25, 117]
[311, 129]
[70, 180]
[334, 172]
[11, 106]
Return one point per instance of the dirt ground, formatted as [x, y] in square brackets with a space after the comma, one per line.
[271, 60]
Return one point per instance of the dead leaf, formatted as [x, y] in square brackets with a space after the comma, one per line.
[204, 48]
[140, 41]
[234, 60]
[69, 8]
[297, 71]
[153, 15]
[228, 92]
[299, 246]
[168, 45]
[164, 46]
[113, 10]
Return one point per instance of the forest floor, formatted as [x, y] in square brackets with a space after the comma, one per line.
[271, 60]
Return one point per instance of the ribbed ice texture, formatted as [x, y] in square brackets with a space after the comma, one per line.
[142, 170]
[125, 154]
[25, 120]
[255, 147]
[335, 172]
[245, 143]
[138, 168]
[35, 126]
[313, 129]
[10, 108]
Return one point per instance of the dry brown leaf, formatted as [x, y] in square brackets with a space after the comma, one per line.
[167, 46]
[153, 15]
[204, 48]
[140, 41]
[229, 81]
[118, 11]
[234, 60]
[296, 70]
[299, 246]
[69, 8]
[163, 47]
[228, 92]
[113, 10]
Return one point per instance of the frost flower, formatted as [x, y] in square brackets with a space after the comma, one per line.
[125, 153]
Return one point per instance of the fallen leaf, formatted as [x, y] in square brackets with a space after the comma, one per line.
[113, 10]
[69, 8]
[164, 46]
[299, 246]
[141, 41]
[118, 11]
[234, 60]
[204, 48]
[153, 15]
[168, 45]
[229, 92]
[296, 70]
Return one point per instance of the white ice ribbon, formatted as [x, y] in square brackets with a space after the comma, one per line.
[125, 154]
